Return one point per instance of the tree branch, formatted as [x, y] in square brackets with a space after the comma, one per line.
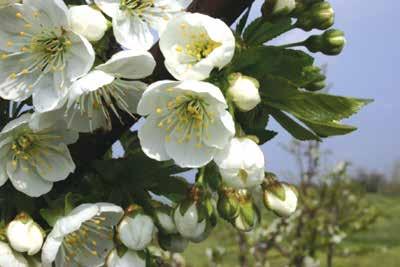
[94, 146]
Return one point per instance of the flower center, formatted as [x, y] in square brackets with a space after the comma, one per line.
[198, 46]
[87, 241]
[186, 117]
[136, 6]
[111, 96]
[22, 146]
[50, 49]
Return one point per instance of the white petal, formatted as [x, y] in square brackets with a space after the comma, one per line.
[25, 179]
[111, 212]
[221, 131]
[56, 10]
[20, 121]
[47, 95]
[132, 33]
[9, 258]
[129, 64]
[153, 97]
[152, 139]
[92, 81]
[110, 7]
[188, 154]
[55, 163]
[80, 57]
[209, 90]
[129, 259]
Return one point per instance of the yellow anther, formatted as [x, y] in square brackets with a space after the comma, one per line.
[184, 26]
[9, 43]
[68, 42]
[28, 25]
[160, 124]
[19, 15]
[94, 243]
[13, 75]
[36, 14]
[25, 71]
[159, 110]
[179, 49]
[24, 49]
[167, 138]
[199, 145]
[22, 33]
[169, 90]
[4, 56]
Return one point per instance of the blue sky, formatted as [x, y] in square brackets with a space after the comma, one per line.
[367, 68]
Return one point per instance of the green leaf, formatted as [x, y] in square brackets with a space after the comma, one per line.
[130, 142]
[269, 62]
[326, 129]
[261, 31]
[295, 129]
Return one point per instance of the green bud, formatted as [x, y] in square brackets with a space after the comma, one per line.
[228, 204]
[330, 43]
[316, 77]
[174, 243]
[248, 217]
[319, 16]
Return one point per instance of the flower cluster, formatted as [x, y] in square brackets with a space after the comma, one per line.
[67, 70]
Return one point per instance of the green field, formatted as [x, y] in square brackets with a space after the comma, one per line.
[377, 247]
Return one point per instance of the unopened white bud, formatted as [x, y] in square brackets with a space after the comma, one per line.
[281, 198]
[88, 22]
[244, 91]
[128, 259]
[284, 6]
[25, 235]
[189, 223]
[136, 232]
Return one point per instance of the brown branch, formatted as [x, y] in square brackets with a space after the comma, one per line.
[94, 146]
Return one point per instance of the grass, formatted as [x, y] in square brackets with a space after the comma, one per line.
[378, 246]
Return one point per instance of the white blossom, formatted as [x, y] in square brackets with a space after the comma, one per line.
[110, 86]
[25, 235]
[136, 231]
[88, 22]
[244, 91]
[186, 121]
[39, 54]
[188, 223]
[194, 44]
[82, 238]
[283, 207]
[241, 163]
[34, 158]
[165, 221]
[10, 258]
[129, 259]
[134, 20]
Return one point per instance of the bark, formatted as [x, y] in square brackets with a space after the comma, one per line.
[94, 146]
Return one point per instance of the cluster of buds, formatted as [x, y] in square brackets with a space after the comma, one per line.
[318, 15]
[237, 207]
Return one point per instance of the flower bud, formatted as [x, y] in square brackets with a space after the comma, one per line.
[277, 7]
[136, 229]
[316, 78]
[88, 22]
[319, 16]
[164, 220]
[329, 43]
[173, 243]
[241, 163]
[124, 258]
[281, 198]
[249, 215]
[25, 235]
[244, 91]
[194, 220]
[228, 204]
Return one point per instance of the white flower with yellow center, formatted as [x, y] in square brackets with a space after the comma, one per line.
[241, 163]
[194, 44]
[39, 54]
[82, 238]
[186, 121]
[34, 158]
[134, 20]
[109, 87]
